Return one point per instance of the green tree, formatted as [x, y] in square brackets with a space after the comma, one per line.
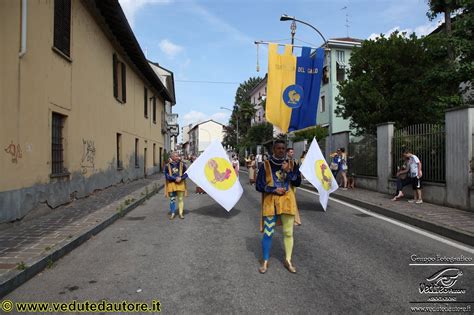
[453, 51]
[258, 134]
[243, 112]
[309, 133]
[446, 7]
[390, 79]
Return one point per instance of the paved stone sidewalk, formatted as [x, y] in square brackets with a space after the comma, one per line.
[27, 246]
[450, 222]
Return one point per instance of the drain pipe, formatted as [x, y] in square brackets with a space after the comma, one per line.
[24, 4]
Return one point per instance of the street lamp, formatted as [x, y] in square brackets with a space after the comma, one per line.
[286, 17]
[236, 116]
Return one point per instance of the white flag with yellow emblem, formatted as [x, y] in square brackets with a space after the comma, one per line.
[213, 172]
[316, 170]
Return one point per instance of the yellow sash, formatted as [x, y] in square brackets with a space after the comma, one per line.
[173, 186]
[272, 203]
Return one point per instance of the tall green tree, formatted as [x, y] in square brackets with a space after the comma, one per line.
[390, 79]
[242, 113]
[446, 7]
[454, 53]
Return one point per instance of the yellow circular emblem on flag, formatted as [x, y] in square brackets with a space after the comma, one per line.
[220, 173]
[323, 173]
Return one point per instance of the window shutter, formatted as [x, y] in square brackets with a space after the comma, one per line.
[124, 85]
[115, 75]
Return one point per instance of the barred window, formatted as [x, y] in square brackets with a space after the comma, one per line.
[137, 163]
[57, 145]
[62, 26]
[119, 151]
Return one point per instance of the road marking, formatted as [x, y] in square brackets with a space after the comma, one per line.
[438, 238]
[441, 264]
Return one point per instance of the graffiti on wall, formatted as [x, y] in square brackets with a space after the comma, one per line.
[15, 151]
[88, 155]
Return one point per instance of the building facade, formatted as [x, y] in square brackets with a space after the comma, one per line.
[336, 64]
[81, 108]
[185, 141]
[170, 119]
[202, 134]
[257, 96]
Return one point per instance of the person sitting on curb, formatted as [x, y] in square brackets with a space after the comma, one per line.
[414, 173]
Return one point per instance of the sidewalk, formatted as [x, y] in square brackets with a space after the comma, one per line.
[28, 247]
[449, 222]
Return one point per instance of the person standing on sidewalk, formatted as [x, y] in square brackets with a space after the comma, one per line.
[414, 177]
[342, 167]
[274, 180]
[175, 184]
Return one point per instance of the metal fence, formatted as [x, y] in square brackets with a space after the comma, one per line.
[362, 156]
[426, 141]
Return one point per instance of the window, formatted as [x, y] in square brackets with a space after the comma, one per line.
[154, 110]
[341, 56]
[325, 75]
[340, 73]
[119, 151]
[62, 26]
[120, 84]
[162, 162]
[137, 163]
[154, 154]
[322, 108]
[340, 65]
[57, 145]
[145, 103]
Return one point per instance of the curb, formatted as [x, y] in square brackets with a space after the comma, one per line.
[451, 233]
[36, 267]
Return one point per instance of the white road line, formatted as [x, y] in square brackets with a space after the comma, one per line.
[438, 238]
[441, 264]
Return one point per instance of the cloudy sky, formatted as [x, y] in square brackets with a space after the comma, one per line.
[212, 40]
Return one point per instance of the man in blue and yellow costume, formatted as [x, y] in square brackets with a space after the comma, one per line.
[175, 184]
[276, 179]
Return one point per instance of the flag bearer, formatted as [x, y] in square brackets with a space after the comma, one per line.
[175, 184]
[275, 181]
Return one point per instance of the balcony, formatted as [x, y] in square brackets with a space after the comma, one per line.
[172, 119]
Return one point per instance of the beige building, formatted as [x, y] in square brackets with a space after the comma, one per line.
[80, 107]
[170, 119]
[202, 134]
[257, 96]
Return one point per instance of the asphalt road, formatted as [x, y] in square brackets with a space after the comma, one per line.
[347, 262]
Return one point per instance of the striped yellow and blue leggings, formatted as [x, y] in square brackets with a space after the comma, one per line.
[269, 228]
[180, 195]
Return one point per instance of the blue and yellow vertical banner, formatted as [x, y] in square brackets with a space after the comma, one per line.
[293, 87]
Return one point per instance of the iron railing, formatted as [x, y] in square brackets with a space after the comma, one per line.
[362, 156]
[428, 143]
